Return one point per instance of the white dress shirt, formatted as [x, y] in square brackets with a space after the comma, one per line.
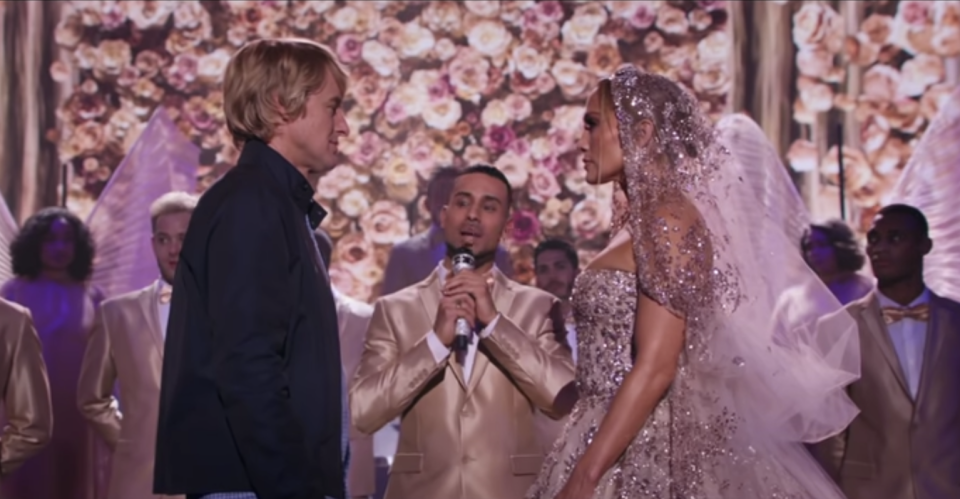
[441, 351]
[909, 338]
[572, 340]
[163, 309]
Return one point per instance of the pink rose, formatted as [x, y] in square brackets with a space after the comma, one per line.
[526, 226]
[349, 48]
[914, 14]
[498, 138]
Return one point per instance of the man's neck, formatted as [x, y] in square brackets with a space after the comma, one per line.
[903, 291]
[281, 148]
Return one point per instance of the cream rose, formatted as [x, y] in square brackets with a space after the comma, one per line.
[878, 28]
[385, 223]
[672, 20]
[483, 8]
[529, 61]
[442, 115]
[571, 76]
[589, 219]
[581, 29]
[405, 101]
[715, 48]
[818, 24]
[336, 181]
[817, 97]
[212, 66]
[445, 49]
[344, 19]
[518, 106]
[495, 113]
[712, 80]
[543, 185]
[881, 82]
[352, 248]
[469, 74]
[380, 57]
[113, 56]
[814, 62]
[515, 167]
[442, 17]
[919, 73]
[414, 40]
[146, 15]
[489, 38]
[554, 213]
[353, 203]
[874, 132]
[802, 156]
[400, 180]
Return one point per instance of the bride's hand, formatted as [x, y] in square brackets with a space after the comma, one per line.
[579, 486]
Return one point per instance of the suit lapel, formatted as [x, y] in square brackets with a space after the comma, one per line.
[150, 307]
[430, 297]
[872, 315]
[502, 298]
[939, 321]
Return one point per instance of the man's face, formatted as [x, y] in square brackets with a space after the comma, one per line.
[555, 273]
[896, 247]
[167, 240]
[314, 137]
[476, 214]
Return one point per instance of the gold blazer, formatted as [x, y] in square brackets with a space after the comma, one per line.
[126, 345]
[26, 390]
[461, 440]
[898, 447]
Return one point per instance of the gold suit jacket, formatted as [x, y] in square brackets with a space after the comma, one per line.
[898, 447]
[26, 390]
[353, 317]
[126, 346]
[461, 440]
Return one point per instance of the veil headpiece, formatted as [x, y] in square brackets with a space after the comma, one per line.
[694, 223]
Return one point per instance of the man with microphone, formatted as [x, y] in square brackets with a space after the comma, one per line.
[467, 414]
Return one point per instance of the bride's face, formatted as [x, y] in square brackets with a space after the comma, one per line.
[600, 140]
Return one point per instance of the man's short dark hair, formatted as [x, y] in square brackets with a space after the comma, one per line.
[922, 226]
[447, 173]
[491, 171]
[26, 246]
[557, 245]
[840, 236]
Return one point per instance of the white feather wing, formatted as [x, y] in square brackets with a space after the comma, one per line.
[931, 183]
[160, 161]
[8, 231]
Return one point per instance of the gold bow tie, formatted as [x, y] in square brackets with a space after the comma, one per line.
[896, 314]
[165, 293]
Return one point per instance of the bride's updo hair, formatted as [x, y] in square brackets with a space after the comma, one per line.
[663, 100]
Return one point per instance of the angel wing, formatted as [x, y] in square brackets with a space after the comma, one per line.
[929, 182]
[160, 161]
[762, 169]
[8, 231]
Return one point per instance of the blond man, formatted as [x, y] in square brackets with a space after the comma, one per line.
[126, 346]
[252, 397]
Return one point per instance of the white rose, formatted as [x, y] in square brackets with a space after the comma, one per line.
[353, 203]
[489, 38]
[495, 113]
[442, 115]
[529, 61]
[415, 40]
[380, 57]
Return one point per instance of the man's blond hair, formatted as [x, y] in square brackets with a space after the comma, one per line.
[269, 80]
[170, 203]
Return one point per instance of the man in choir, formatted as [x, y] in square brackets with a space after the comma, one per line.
[905, 443]
[467, 417]
[556, 266]
[126, 346]
[353, 317]
[411, 261]
[26, 391]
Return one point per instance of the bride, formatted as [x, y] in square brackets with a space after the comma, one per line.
[689, 385]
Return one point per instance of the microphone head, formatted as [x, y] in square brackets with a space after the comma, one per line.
[463, 259]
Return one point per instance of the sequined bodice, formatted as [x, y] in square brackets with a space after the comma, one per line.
[604, 305]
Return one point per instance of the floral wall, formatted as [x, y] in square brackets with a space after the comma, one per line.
[432, 84]
[882, 68]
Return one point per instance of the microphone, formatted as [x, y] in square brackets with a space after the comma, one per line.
[463, 259]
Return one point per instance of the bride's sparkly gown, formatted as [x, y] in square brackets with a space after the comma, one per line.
[683, 451]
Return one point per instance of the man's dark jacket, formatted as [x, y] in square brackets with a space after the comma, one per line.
[251, 397]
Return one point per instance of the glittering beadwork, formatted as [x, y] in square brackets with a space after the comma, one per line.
[694, 444]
